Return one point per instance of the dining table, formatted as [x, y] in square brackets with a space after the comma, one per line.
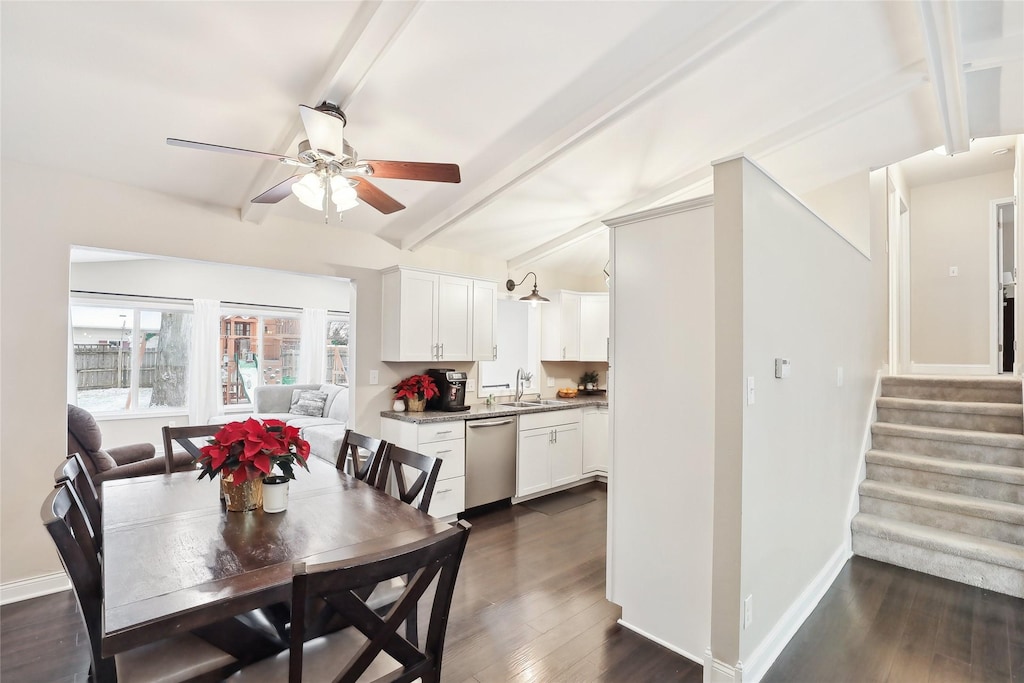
[175, 560]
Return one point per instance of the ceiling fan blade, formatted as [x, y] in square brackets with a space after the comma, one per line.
[278, 192]
[325, 133]
[415, 170]
[377, 198]
[232, 150]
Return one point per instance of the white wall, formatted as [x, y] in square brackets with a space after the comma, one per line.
[844, 205]
[662, 412]
[204, 280]
[36, 234]
[790, 287]
[950, 319]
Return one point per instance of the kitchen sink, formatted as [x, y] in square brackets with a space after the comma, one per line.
[520, 404]
[551, 402]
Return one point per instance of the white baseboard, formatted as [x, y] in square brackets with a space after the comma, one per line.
[757, 665]
[587, 478]
[718, 671]
[934, 369]
[659, 641]
[862, 470]
[16, 591]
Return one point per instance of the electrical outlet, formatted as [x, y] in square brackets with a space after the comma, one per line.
[470, 384]
[750, 391]
[748, 611]
[374, 377]
[551, 381]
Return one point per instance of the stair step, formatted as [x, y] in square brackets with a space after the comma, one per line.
[971, 415]
[997, 520]
[981, 562]
[958, 444]
[994, 482]
[985, 389]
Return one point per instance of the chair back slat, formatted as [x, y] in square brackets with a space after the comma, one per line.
[365, 453]
[73, 470]
[183, 436]
[424, 467]
[338, 583]
[65, 520]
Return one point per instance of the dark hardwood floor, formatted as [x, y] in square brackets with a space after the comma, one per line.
[530, 606]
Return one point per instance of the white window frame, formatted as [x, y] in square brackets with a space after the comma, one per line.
[258, 312]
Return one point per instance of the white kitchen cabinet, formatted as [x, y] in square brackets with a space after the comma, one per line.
[574, 326]
[595, 440]
[445, 440]
[594, 314]
[550, 452]
[485, 320]
[428, 316]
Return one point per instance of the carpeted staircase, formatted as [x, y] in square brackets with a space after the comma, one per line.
[944, 492]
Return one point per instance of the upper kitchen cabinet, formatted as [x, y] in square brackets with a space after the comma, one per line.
[485, 320]
[430, 316]
[574, 326]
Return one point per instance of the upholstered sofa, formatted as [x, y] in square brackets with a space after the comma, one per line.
[324, 432]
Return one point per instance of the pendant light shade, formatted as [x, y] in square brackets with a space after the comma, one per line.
[310, 191]
[533, 297]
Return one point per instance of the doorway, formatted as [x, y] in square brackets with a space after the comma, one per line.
[1006, 281]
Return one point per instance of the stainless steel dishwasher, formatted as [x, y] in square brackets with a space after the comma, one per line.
[490, 459]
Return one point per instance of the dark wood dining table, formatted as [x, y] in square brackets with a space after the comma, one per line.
[174, 560]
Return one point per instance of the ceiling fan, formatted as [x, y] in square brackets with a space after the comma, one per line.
[333, 168]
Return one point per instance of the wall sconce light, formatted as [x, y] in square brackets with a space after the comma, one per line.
[533, 297]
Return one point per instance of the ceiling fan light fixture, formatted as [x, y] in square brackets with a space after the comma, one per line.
[310, 191]
[343, 193]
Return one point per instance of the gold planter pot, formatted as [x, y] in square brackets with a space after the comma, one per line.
[241, 497]
[416, 405]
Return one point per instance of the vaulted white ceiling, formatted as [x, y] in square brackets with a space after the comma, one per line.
[558, 113]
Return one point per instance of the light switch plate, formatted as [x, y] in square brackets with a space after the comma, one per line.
[374, 377]
[551, 381]
[954, 271]
[470, 384]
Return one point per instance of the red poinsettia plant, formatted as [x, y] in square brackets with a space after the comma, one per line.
[417, 387]
[251, 449]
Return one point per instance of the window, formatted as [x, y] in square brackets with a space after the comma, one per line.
[263, 349]
[130, 357]
[337, 350]
[518, 337]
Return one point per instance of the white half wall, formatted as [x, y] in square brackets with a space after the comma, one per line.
[662, 424]
[805, 294]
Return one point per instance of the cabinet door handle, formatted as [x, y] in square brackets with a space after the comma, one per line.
[433, 351]
[556, 436]
[446, 431]
[440, 353]
[494, 352]
[563, 353]
[440, 452]
[444, 491]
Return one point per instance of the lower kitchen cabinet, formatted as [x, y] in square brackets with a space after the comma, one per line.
[595, 440]
[550, 451]
[445, 440]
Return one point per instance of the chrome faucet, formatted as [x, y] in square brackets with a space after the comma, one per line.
[520, 385]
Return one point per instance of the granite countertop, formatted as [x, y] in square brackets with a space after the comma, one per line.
[481, 411]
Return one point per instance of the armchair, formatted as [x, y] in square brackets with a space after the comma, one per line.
[121, 462]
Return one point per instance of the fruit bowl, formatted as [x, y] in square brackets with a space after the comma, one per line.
[567, 392]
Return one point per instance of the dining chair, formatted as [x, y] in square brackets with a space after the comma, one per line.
[73, 470]
[179, 658]
[394, 475]
[183, 436]
[364, 452]
[371, 648]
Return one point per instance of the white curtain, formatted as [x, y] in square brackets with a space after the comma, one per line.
[312, 351]
[204, 363]
[72, 373]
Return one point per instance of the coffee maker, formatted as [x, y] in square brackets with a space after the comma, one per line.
[452, 388]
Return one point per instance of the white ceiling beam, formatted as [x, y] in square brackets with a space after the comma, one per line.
[722, 34]
[994, 53]
[367, 38]
[941, 29]
[695, 180]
